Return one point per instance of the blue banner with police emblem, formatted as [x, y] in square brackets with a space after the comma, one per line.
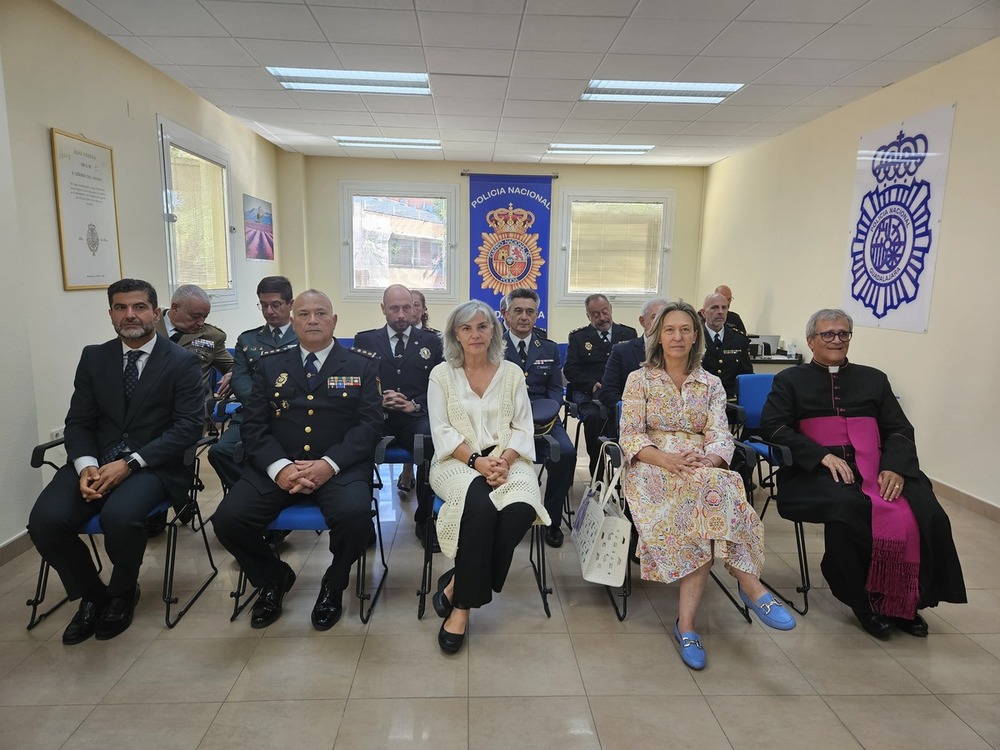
[509, 219]
[896, 220]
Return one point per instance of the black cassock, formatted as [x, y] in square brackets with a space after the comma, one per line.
[807, 491]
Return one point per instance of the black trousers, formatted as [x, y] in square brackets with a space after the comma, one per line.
[59, 512]
[487, 539]
[243, 513]
[593, 428]
[404, 428]
[222, 455]
[559, 477]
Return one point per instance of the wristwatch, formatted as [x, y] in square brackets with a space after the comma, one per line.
[416, 407]
[133, 465]
[472, 460]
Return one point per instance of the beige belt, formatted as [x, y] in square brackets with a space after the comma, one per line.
[692, 436]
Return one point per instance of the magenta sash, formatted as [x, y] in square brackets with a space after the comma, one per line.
[893, 575]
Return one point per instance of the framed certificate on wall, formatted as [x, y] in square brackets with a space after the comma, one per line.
[86, 210]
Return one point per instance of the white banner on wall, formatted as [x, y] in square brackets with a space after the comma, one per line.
[896, 220]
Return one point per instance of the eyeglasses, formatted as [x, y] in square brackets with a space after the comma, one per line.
[265, 306]
[829, 336]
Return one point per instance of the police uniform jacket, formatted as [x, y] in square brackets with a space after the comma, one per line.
[541, 370]
[587, 356]
[408, 374]
[729, 360]
[250, 347]
[734, 320]
[625, 358]
[340, 416]
[209, 345]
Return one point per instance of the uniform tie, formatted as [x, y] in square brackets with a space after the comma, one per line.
[522, 352]
[605, 337]
[176, 336]
[398, 351]
[276, 335]
[310, 368]
[718, 339]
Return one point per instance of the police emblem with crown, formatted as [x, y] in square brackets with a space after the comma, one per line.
[509, 258]
[893, 234]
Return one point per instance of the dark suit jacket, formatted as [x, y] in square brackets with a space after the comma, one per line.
[625, 358]
[732, 359]
[408, 374]
[164, 417]
[587, 356]
[341, 417]
[250, 347]
[734, 320]
[541, 370]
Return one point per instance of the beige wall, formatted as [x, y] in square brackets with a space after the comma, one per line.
[777, 228]
[58, 72]
[322, 195]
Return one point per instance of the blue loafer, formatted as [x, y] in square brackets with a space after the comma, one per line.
[770, 610]
[692, 652]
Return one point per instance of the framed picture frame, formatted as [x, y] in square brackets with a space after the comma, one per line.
[87, 212]
[258, 228]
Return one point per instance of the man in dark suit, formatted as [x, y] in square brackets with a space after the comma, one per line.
[184, 324]
[625, 358]
[137, 406]
[274, 298]
[732, 319]
[586, 358]
[727, 351]
[312, 423]
[539, 358]
[406, 357]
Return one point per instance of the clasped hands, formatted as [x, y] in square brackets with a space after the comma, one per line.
[496, 469]
[396, 401]
[685, 462]
[96, 482]
[304, 477]
[890, 484]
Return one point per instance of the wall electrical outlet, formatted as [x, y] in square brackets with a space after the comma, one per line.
[56, 434]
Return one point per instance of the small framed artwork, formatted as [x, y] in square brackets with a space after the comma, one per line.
[258, 227]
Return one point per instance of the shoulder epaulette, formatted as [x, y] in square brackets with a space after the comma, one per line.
[209, 325]
[430, 330]
[577, 330]
[252, 330]
[280, 349]
[364, 352]
[540, 332]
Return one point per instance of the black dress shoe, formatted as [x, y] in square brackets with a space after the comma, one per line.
[329, 606]
[84, 623]
[450, 643]
[917, 626]
[421, 531]
[117, 616]
[267, 608]
[873, 624]
[553, 536]
[440, 601]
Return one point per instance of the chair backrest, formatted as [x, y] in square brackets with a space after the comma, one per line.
[753, 390]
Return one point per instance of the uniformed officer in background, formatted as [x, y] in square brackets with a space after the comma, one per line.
[727, 351]
[406, 357]
[274, 299]
[539, 358]
[312, 423]
[185, 324]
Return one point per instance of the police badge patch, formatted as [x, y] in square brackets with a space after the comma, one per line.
[509, 258]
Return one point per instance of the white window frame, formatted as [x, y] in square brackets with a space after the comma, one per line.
[666, 197]
[171, 133]
[351, 188]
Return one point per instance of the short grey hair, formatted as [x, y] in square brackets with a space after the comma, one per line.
[592, 297]
[189, 291]
[655, 302]
[654, 347]
[825, 315]
[454, 355]
[522, 292]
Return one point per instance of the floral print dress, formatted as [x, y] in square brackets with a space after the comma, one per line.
[680, 517]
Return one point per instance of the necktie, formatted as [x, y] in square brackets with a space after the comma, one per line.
[130, 378]
[522, 352]
[398, 351]
[276, 335]
[176, 336]
[605, 337]
[310, 368]
[718, 339]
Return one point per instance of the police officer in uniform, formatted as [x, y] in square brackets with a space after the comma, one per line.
[406, 357]
[312, 423]
[539, 358]
[586, 357]
[184, 324]
[727, 351]
[274, 298]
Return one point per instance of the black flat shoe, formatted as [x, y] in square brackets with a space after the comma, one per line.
[554, 536]
[328, 608]
[267, 608]
[916, 627]
[84, 623]
[442, 606]
[873, 624]
[117, 616]
[450, 643]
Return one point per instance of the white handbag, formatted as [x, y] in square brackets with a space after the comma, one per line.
[601, 531]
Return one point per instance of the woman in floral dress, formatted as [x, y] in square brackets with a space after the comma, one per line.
[687, 506]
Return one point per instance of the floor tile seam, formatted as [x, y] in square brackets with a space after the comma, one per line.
[718, 721]
[882, 645]
[841, 719]
[77, 728]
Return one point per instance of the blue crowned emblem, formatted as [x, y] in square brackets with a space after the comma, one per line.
[893, 233]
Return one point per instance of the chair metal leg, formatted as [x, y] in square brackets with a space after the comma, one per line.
[362, 593]
[538, 565]
[427, 570]
[624, 593]
[806, 583]
[42, 585]
[242, 584]
[168, 569]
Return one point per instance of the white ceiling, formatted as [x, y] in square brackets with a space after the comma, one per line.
[506, 75]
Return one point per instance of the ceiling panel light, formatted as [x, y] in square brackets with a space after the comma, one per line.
[663, 92]
[607, 149]
[352, 81]
[372, 142]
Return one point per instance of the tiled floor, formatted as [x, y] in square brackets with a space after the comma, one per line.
[578, 680]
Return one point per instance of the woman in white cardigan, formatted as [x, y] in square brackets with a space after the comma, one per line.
[484, 445]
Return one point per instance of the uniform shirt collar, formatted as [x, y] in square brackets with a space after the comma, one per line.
[320, 355]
